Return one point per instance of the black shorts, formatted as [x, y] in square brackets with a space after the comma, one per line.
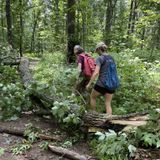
[103, 90]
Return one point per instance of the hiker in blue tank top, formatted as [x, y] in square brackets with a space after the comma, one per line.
[107, 81]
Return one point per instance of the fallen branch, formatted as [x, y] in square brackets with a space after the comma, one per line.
[27, 80]
[17, 132]
[69, 154]
[11, 63]
[94, 119]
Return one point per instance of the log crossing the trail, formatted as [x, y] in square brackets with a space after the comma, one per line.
[18, 132]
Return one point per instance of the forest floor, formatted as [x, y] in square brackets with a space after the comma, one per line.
[8, 141]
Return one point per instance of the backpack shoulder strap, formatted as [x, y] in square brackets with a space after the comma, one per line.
[82, 54]
[109, 57]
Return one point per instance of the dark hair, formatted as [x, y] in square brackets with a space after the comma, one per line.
[103, 49]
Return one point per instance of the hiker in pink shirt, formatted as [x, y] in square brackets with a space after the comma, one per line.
[86, 65]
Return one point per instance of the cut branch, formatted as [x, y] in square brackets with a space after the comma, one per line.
[94, 119]
[17, 132]
[69, 154]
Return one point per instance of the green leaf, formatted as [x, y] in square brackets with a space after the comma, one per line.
[101, 135]
[158, 143]
[132, 149]
[1, 151]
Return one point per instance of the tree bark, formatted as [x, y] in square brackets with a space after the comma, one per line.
[21, 30]
[2, 21]
[83, 28]
[132, 16]
[27, 80]
[69, 154]
[21, 133]
[94, 119]
[71, 31]
[36, 16]
[57, 16]
[9, 23]
[111, 4]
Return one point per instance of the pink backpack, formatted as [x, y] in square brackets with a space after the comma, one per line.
[89, 64]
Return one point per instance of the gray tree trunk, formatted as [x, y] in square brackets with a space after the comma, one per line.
[9, 23]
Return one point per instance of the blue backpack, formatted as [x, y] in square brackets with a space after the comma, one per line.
[111, 80]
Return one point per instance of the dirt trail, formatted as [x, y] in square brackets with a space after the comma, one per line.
[33, 63]
[7, 141]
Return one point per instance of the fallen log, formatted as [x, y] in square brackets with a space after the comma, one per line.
[27, 80]
[20, 133]
[94, 119]
[69, 154]
[25, 72]
[9, 60]
[13, 63]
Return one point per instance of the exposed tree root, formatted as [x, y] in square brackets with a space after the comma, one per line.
[17, 132]
[69, 154]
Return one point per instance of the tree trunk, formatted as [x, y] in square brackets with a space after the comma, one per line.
[27, 80]
[83, 28]
[132, 16]
[94, 119]
[157, 35]
[57, 16]
[9, 23]
[71, 31]
[36, 16]
[142, 37]
[2, 21]
[21, 30]
[68, 153]
[111, 4]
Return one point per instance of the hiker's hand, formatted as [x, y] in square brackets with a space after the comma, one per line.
[88, 87]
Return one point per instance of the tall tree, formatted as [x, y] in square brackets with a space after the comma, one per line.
[9, 23]
[57, 16]
[35, 22]
[2, 21]
[21, 29]
[132, 16]
[71, 36]
[111, 4]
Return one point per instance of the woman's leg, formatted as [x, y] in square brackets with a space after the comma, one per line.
[93, 96]
[108, 99]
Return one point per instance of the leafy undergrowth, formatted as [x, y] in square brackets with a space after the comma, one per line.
[57, 79]
[137, 93]
[124, 146]
[14, 98]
